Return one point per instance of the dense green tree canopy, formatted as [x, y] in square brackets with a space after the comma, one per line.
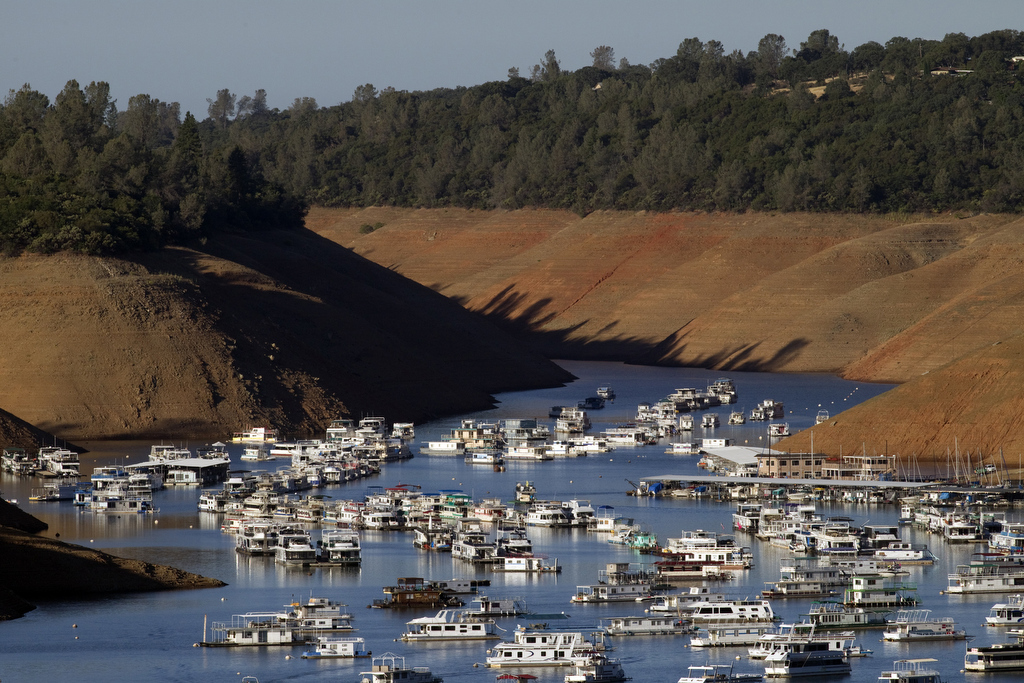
[817, 128]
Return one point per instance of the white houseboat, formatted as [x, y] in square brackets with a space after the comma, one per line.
[996, 657]
[782, 639]
[992, 575]
[616, 583]
[450, 625]
[643, 626]
[916, 624]
[390, 668]
[805, 659]
[911, 671]
[526, 565]
[599, 669]
[716, 673]
[879, 591]
[340, 547]
[541, 648]
[729, 636]
[1010, 613]
[747, 612]
[835, 615]
[337, 648]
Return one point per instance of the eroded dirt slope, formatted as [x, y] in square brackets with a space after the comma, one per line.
[289, 330]
[866, 297]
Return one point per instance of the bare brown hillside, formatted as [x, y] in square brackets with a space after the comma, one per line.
[868, 297]
[285, 329]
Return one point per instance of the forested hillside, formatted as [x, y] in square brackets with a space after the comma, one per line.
[907, 126]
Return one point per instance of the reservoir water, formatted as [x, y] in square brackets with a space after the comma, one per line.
[151, 636]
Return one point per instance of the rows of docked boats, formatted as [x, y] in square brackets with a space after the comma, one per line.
[528, 439]
[868, 588]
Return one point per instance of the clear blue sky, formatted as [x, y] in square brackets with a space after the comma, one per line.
[186, 50]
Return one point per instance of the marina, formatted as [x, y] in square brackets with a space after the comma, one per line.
[183, 535]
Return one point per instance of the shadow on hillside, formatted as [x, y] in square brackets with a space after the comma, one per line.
[509, 310]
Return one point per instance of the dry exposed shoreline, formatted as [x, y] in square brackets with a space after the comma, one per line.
[934, 303]
[36, 567]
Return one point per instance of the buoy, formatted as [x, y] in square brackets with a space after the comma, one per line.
[737, 658]
[76, 637]
[74, 625]
[195, 644]
[223, 599]
[287, 656]
[157, 521]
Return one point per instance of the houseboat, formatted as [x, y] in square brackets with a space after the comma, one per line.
[1010, 613]
[911, 671]
[879, 591]
[685, 603]
[294, 548]
[255, 435]
[682, 448]
[992, 574]
[915, 624]
[805, 659]
[480, 457]
[782, 640]
[337, 648]
[416, 592]
[317, 617]
[390, 668]
[729, 636]
[904, 553]
[835, 615]
[599, 669]
[778, 429]
[541, 648]
[450, 625]
[484, 606]
[710, 421]
[716, 673]
[804, 577]
[737, 417]
[526, 565]
[996, 657]
[643, 626]
[617, 582]
[748, 612]
[340, 547]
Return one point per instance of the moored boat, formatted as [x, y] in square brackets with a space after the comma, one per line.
[599, 669]
[911, 671]
[1009, 613]
[337, 648]
[643, 626]
[916, 624]
[390, 668]
[450, 625]
[716, 673]
[542, 648]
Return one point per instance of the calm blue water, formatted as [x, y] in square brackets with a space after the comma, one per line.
[150, 636]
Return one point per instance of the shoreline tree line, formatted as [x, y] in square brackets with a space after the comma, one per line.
[911, 125]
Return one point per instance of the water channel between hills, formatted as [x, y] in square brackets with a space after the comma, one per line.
[151, 636]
